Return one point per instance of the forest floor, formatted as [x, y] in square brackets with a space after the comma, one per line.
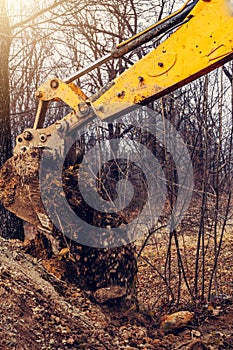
[38, 311]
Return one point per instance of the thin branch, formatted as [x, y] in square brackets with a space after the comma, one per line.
[37, 14]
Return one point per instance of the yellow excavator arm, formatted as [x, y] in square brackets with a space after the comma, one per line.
[198, 46]
[200, 40]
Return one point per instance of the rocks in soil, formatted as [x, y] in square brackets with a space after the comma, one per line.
[175, 321]
[103, 295]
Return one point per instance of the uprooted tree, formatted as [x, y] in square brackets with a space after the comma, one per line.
[201, 112]
[89, 267]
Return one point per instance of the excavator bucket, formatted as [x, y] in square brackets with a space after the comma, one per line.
[20, 190]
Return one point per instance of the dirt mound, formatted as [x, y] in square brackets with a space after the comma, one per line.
[39, 311]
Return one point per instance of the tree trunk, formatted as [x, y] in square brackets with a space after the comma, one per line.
[10, 226]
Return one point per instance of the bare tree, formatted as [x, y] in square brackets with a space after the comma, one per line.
[11, 227]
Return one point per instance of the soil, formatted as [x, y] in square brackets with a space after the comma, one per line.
[40, 311]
